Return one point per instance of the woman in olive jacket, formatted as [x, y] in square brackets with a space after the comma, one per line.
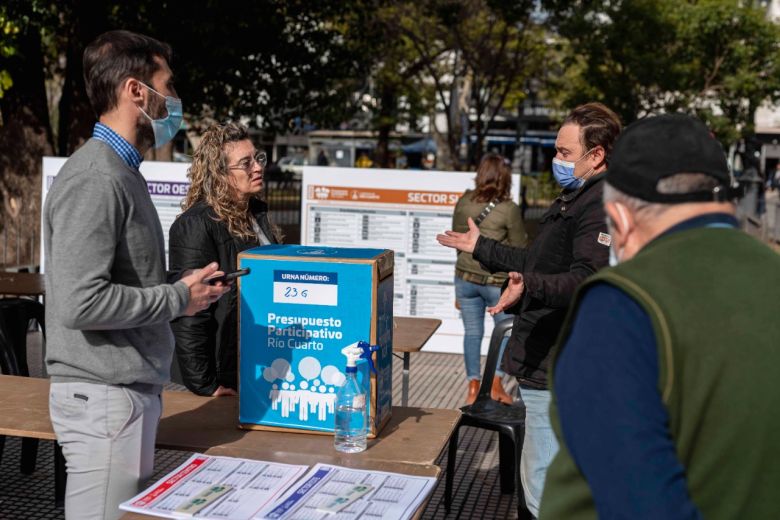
[475, 288]
[223, 215]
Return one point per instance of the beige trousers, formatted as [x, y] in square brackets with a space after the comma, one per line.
[107, 435]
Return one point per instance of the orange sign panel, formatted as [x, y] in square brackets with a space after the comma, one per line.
[383, 196]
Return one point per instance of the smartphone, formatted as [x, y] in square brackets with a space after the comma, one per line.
[229, 277]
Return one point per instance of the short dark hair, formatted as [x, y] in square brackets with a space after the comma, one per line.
[599, 126]
[115, 56]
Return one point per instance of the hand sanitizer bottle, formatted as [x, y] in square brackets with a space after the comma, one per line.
[351, 416]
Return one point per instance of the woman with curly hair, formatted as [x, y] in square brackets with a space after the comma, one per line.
[224, 214]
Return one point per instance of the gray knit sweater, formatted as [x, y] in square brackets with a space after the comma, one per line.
[107, 301]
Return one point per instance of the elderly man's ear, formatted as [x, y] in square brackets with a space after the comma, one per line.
[622, 220]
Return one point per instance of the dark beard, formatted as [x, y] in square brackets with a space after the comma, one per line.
[144, 133]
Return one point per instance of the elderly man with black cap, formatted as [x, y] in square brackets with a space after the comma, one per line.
[665, 394]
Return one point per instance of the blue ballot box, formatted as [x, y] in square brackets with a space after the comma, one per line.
[300, 306]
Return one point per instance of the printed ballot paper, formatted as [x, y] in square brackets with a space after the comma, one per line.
[211, 487]
[208, 487]
[337, 493]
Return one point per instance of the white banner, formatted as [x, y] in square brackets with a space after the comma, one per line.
[402, 210]
[167, 181]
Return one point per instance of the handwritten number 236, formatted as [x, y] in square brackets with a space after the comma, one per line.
[292, 292]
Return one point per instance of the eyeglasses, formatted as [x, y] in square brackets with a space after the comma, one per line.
[246, 164]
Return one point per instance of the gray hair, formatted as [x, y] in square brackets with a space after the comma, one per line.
[680, 183]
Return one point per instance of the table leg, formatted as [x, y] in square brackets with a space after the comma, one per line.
[60, 476]
[44, 372]
[405, 381]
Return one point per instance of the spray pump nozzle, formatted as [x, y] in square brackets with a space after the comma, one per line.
[358, 350]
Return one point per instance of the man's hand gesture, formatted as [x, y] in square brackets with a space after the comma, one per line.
[201, 293]
[511, 295]
[461, 241]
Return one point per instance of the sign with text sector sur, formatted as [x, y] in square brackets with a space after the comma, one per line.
[402, 210]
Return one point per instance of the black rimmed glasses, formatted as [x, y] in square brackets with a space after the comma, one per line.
[247, 163]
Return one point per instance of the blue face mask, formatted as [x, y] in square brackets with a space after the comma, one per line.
[564, 173]
[164, 129]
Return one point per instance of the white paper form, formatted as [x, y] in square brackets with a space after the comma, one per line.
[253, 486]
[394, 496]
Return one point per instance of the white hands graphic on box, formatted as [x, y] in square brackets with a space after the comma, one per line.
[316, 392]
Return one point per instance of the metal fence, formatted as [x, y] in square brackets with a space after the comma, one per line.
[20, 245]
[284, 201]
[284, 205]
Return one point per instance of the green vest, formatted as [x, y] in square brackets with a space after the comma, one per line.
[713, 296]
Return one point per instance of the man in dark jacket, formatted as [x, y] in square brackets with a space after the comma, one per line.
[572, 244]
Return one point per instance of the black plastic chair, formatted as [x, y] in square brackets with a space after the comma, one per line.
[507, 420]
[15, 317]
[16, 314]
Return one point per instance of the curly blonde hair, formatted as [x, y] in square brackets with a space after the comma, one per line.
[210, 180]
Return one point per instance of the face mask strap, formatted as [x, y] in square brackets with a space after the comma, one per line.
[150, 88]
[584, 155]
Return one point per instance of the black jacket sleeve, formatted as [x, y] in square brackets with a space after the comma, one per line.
[191, 246]
[557, 290]
[497, 257]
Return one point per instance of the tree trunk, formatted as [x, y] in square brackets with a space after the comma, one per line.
[387, 120]
[25, 137]
[444, 158]
[480, 131]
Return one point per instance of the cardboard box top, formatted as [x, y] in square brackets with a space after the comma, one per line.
[314, 252]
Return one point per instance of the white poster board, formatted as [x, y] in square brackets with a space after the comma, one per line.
[167, 181]
[402, 210]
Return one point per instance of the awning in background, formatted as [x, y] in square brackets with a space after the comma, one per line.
[426, 145]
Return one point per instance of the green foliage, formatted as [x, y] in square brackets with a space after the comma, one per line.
[717, 59]
[541, 189]
[456, 57]
[267, 60]
[8, 31]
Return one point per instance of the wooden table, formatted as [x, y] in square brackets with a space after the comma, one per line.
[193, 423]
[22, 284]
[410, 443]
[410, 335]
[413, 436]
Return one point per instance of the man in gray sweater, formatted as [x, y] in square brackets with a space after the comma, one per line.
[108, 302]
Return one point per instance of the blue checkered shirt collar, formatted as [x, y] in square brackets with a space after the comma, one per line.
[123, 149]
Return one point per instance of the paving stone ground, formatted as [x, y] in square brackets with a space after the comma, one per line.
[437, 381]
